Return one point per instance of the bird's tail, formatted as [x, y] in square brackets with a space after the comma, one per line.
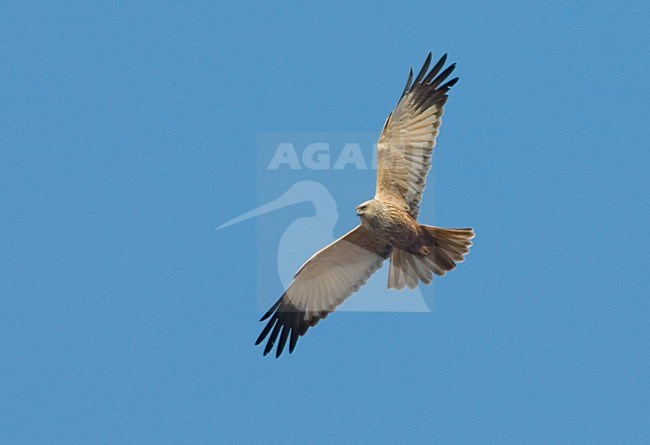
[447, 247]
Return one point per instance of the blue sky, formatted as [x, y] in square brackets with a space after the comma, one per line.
[128, 132]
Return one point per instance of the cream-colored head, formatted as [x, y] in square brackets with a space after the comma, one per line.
[366, 209]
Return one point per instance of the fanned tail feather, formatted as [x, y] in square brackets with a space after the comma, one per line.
[448, 247]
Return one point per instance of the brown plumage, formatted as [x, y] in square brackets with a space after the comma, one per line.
[389, 226]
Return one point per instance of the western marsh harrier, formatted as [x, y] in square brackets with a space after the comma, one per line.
[389, 226]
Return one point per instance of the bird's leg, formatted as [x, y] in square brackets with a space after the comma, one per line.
[419, 249]
[422, 244]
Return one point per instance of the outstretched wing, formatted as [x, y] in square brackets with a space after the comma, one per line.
[409, 135]
[321, 284]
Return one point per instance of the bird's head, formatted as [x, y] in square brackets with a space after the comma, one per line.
[365, 208]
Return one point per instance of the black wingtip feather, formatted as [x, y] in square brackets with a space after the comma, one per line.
[408, 81]
[272, 338]
[273, 308]
[283, 340]
[265, 331]
[424, 69]
[436, 69]
[451, 83]
[442, 76]
[286, 323]
[293, 340]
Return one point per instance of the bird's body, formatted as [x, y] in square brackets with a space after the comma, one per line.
[389, 222]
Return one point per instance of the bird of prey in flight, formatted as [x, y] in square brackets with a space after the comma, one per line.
[388, 227]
